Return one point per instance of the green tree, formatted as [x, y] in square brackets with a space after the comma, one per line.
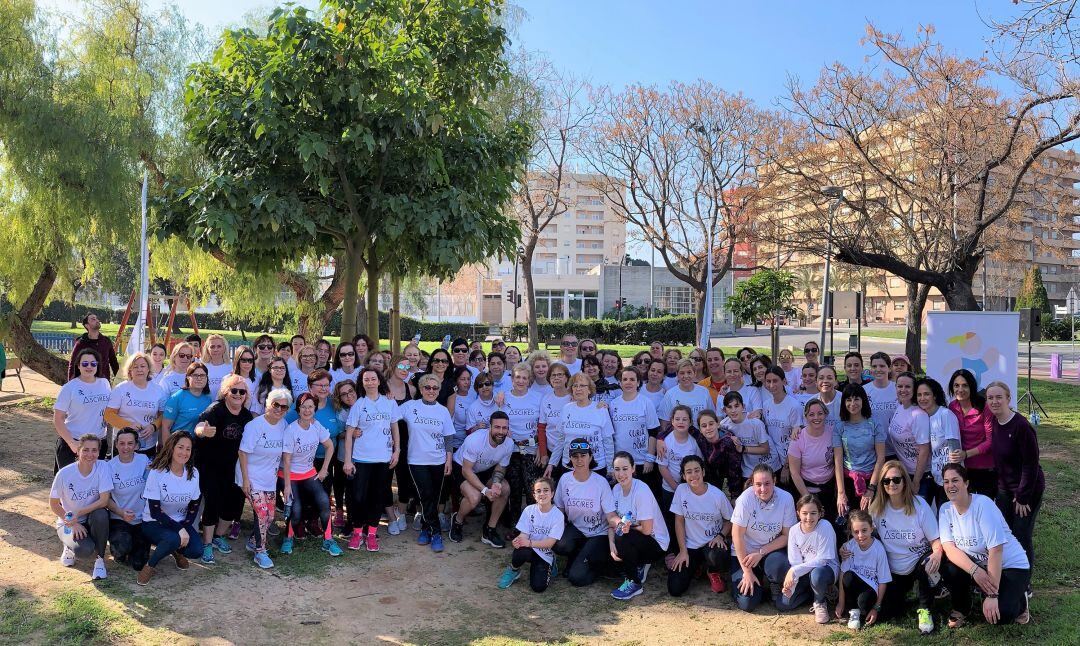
[762, 295]
[356, 132]
[1033, 293]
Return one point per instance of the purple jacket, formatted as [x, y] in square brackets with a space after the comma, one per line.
[108, 365]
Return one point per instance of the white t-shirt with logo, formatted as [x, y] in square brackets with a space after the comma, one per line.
[169, 381]
[780, 419]
[832, 409]
[477, 449]
[216, 374]
[429, 427]
[140, 406]
[944, 437]
[764, 521]
[524, 414]
[174, 493]
[751, 432]
[262, 442]
[703, 515]
[674, 452]
[656, 398]
[906, 538]
[642, 504]
[480, 411]
[751, 398]
[128, 484]
[981, 527]
[339, 374]
[538, 526]
[574, 366]
[632, 421]
[374, 418]
[807, 551]
[76, 491]
[551, 408]
[593, 424]
[883, 405]
[870, 565]
[301, 443]
[585, 504]
[84, 406]
[908, 429]
[697, 399]
[299, 382]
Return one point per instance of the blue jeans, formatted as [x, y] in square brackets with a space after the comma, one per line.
[770, 571]
[814, 585]
[166, 541]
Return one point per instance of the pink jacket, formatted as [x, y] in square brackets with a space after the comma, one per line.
[976, 431]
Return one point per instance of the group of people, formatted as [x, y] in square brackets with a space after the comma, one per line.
[781, 482]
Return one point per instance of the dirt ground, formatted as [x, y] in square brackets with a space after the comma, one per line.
[404, 594]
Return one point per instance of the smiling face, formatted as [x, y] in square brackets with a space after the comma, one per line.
[322, 353]
[809, 515]
[276, 409]
[826, 381]
[182, 358]
[853, 369]
[521, 379]
[899, 365]
[125, 446]
[307, 410]
[686, 376]
[924, 397]
[714, 361]
[497, 367]
[347, 356]
[157, 355]
[88, 366]
[278, 370]
[540, 369]
[853, 405]
[656, 373]
[308, 358]
[624, 472]
[611, 365]
[997, 399]
[88, 451]
[956, 488]
[759, 369]
[216, 348]
[370, 384]
[680, 421]
[709, 427]
[862, 532]
[139, 370]
[763, 486]
[542, 493]
[815, 416]
[182, 451]
[787, 360]
[809, 377]
[961, 392]
[735, 411]
[733, 373]
[905, 390]
[693, 474]
[879, 370]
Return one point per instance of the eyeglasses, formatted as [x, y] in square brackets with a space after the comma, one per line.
[588, 348]
[403, 366]
[348, 392]
[246, 360]
[431, 388]
[439, 361]
[809, 350]
[892, 481]
[484, 384]
[88, 364]
[460, 350]
[265, 346]
[198, 374]
[277, 367]
[238, 391]
[347, 354]
[277, 406]
[698, 359]
[570, 344]
[185, 356]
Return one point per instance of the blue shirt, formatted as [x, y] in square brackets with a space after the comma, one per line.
[326, 416]
[184, 408]
[858, 440]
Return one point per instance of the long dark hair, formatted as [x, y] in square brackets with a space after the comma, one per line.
[266, 382]
[163, 460]
[978, 399]
[854, 390]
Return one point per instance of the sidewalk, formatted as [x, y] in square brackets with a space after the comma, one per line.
[36, 387]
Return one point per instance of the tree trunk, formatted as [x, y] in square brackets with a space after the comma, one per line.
[373, 299]
[530, 294]
[17, 331]
[699, 315]
[916, 295]
[350, 295]
[958, 292]
[395, 316]
[312, 322]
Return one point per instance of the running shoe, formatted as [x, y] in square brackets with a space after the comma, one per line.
[262, 559]
[854, 621]
[331, 547]
[67, 558]
[436, 542]
[99, 570]
[287, 545]
[444, 522]
[456, 529]
[417, 522]
[372, 542]
[250, 544]
[926, 621]
[508, 577]
[424, 538]
[821, 613]
[339, 520]
[716, 582]
[643, 572]
[627, 591]
[394, 527]
[234, 531]
[207, 557]
[402, 522]
[356, 539]
[491, 537]
[221, 545]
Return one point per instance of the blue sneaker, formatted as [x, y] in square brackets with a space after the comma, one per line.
[424, 538]
[331, 547]
[222, 545]
[262, 559]
[508, 577]
[628, 590]
[436, 543]
[286, 545]
[643, 572]
[250, 544]
[553, 571]
[207, 555]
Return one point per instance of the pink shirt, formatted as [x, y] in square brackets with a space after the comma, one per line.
[816, 455]
[976, 431]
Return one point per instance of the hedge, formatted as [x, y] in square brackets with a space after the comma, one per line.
[669, 330]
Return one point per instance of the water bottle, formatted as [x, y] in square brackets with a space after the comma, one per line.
[627, 520]
[67, 517]
[446, 342]
[933, 579]
[416, 338]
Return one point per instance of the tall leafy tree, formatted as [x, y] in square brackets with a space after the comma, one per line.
[1033, 293]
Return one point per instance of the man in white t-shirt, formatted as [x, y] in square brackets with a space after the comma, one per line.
[568, 354]
[479, 471]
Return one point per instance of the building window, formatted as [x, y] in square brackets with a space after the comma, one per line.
[549, 304]
[581, 305]
[899, 306]
[677, 299]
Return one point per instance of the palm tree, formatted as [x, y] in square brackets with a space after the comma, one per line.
[807, 278]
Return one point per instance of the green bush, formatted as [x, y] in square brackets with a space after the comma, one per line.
[670, 330]
[1056, 330]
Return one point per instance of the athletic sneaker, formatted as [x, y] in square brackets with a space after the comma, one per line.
[508, 577]
[402, 523]
[627, 591]
[372, 543]
[716, 582]
[417, 522]
[643, 572]
[234, 531]
[456, 529]
[356, 539]
[287, 545]
[331, 547]
[67, 558]
[273, 530]
[339, 520]
[99, 570]
[424, 538]
[821, 613]
[262, 559]
[553, 571]
[207, 557]
[221, 545]
[250, 544]
[444, 522]
[854, 621]
[491, 537]
[436, 542]
[393, 527]
[926, 621]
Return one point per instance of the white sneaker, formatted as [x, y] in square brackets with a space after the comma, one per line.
[99, 570]
[393, 527]
[854, 621]
[402, 522]
[67, 558]
[417, 521]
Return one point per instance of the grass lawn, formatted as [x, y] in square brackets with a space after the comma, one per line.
[887, 333]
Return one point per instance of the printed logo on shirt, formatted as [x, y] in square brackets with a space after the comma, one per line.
[137, 481]
[134, 403]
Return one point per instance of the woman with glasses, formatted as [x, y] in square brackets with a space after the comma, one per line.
[215, 356]
[79, 408]
[477, 361]
[305, 363]
[324, 351]
[172, 378]
[587, 348]
[343, 396]
[377, 362]
[641, 362]
[257, 468]
[549, 428]
[585, 499]
[217, 447]
[430, 458]
[745, 356]
[583, 417]
[264, 352]
[697, 356]
[439, 367]
[345, 364]
[685, 393]
[303, 482]
[401, 389]
[172, 494]
[137, 403]
[976, 431]
[812, 353]
[944, 436]
[276, 377]
[244, 365]
[908, 530]
[183, 408]
[540, 363]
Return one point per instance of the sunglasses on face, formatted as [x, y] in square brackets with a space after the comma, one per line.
[588, 348]
[195, 375]
[431, 388]
[570, 344]
[439, 361]
[277, 367]
[185, 356]
[809, 350]
[347, 354]
[485, 384]
[265, 346]
[238, 391]
[346, 393]
[277, 406]
[403, 366]
[460, 350]
[698, 359]
[246, 360]
[897, 480]
[88, 364]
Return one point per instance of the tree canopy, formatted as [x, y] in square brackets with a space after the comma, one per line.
[763, 295]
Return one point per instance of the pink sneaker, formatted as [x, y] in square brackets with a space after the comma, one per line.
[372, 541]
[234, 530]
[355, 540]
[339, 520]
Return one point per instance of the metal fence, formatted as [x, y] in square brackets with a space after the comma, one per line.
[62, 343]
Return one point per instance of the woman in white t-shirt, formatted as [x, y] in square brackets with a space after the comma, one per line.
[541, 525]
[430, 457]
[882, 393]
[702, 529]
[585, 499]
[276, 377]
[540, 363]
[909, 432]
[171, 379]
[826, 383]
[980, 548]
[157, 353]
[583, 417]
[126, 502]
[687, 393]
[944, 432]
[636, 426]
[549, 429]
[172, 505]
[306, 361]
[760, 522]
[371, 450]
[733, 373]
[811, 551]
[79, 497]
[654, 388]
[80, 408]
[345, 364]
[640, 537]
[257, 468]
[303, 482]
[782, 415]
[138, 403]
[215, 356]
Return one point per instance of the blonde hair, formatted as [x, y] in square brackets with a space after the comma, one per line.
[685, 363]
[877, 505]
[205, 357]
[231, 380]
[583, 378]
[426, 379]
[524, 369]
[538, 354]
[1001, 385]
[131, 361]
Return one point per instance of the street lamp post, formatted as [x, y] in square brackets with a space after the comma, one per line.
[517, 298]
[837, 194]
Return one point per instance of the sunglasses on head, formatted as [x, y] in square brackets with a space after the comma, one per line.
[892, 481]
[88, 364]
[238, 391]
[580, 446]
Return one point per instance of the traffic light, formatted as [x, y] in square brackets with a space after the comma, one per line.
[517, 301]
[622, 302]
[618, 305]
[510, 295]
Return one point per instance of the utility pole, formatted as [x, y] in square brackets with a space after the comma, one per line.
[837, 194]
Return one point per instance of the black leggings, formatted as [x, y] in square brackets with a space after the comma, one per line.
[715, 559]
[367, 494]
[428, 479]
[222, 499]
[1012, 600]
[308, 493]
[896, 591]
[636, 549]
[857, 594]
[539, 571]
[585, 555]
[1022, 528]
[520, 475]
[335, 481]
[406, 488]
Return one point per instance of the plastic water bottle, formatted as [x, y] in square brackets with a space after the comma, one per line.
[627, 520]
[416, 338]
[67, 517]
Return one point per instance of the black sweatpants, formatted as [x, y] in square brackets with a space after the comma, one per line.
[857, 594]
[715, 559]
[586, 555]
[892, 605]
[367, 493]
[127, 544]
[636, 549]
[428, 479]
[539, 570]
[1012, 600]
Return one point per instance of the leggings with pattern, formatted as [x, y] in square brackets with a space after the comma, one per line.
[262, 503]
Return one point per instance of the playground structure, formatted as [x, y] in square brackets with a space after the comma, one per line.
[173, 300]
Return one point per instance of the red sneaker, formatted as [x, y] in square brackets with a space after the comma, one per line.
[339, 520]
[716, 582]
[372, 541]
[356, 539]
